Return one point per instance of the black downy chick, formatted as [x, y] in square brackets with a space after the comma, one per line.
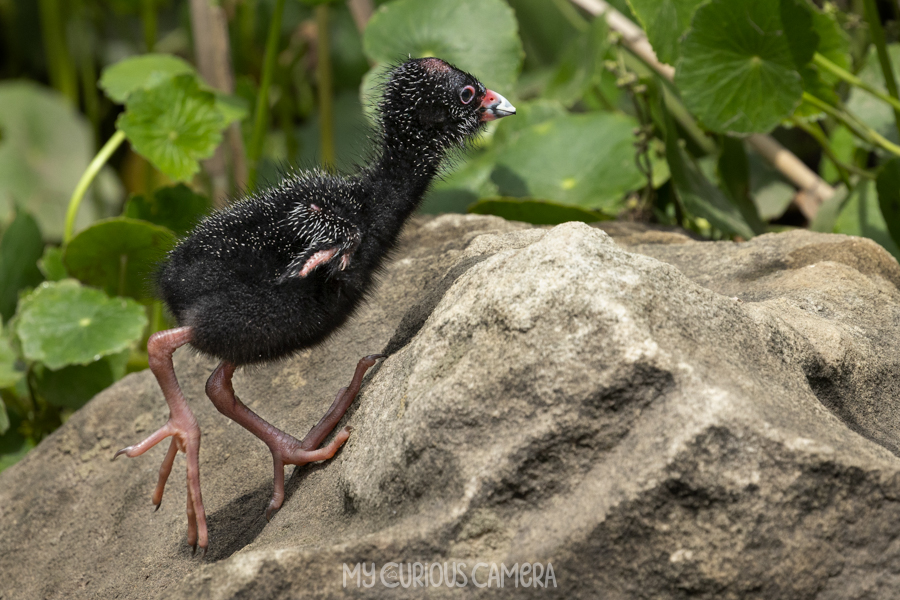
[279, 271]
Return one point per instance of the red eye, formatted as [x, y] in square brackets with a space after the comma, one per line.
[467, 94]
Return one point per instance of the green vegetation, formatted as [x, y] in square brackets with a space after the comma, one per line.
[112, 143]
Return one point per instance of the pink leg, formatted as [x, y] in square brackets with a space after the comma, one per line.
[285, 448]
[181, 427]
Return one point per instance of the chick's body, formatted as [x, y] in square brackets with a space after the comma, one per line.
[236, 280]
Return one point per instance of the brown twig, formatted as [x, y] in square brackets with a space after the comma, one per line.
[361, 10]
[213, 55]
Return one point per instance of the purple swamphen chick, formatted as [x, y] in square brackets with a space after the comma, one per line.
[280, 270]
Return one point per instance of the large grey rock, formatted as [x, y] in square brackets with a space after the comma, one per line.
[658, 418]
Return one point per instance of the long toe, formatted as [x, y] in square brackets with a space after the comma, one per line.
[185, 434]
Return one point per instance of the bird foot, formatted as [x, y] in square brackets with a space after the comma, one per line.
[287, 450]
[185, 434]
[181, 427]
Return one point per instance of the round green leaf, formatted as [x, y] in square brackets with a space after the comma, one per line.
[178, 208]
[137, 72]
[737, 71]
[537, 212]
[478, 36]
[118, 255]
[173, 124]
[63, 323]
[72, 386]
[45, 146]
[586, 160]
[51, 264]
[665, 21]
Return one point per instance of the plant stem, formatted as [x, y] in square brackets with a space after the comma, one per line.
[86, 179]
[262, 98]
[148, 20]
[326, 93]
[59, 62]
[854, 80]
[676, 108]
[858, 129]
[883, 58]
[687, 122]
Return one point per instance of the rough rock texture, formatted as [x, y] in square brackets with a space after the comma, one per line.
[657, 418]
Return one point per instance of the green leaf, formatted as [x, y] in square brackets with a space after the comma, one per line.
[665, 22]
[232, 108]
[45, 146]
[9, 375]
[370, 89]
[528, 114]
[537, 212]
[72, 386]
[861, 215]
[120, 80]
[118, 255]
[544, 30]
[478, 36]
[63, 323]
[734, 173]
[834, 44]
[173, 124]
[581, 65]
[737, 72]
[350, 139]
[177, 208]
[815, 85]
[140, 72]
[843, 143]
[586, 160]
[888, 187]
[462, 186]
[20, 248]
[51, 264]
[700, 197]
[827, 215]
[875, 113]
[796, 15]
[771, 192]
[4, 418]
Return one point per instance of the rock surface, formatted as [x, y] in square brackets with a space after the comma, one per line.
[656, 418]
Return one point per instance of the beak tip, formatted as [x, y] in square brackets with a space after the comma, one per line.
[495, 106]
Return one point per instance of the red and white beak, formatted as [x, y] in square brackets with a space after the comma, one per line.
[494, 106]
